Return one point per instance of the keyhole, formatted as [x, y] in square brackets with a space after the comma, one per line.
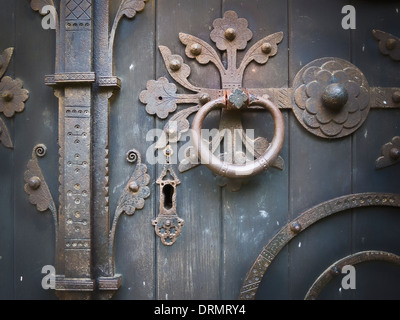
[168, 192]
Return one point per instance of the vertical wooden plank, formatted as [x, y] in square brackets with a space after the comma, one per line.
[7, 39]
[254, 214]
[320, 169]
[34, 235]
[134, 65]
[376, 228]
[190, 268]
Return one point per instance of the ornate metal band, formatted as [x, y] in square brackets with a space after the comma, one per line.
[335, 269]
[306, 219]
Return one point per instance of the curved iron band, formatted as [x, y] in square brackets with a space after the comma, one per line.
[306, 219]
[238, 170]
[352, 260]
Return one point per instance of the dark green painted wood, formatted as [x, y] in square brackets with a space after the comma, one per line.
[320, 169]
[129, 123]
[190, 269]
[34, 234]
[255, 213]
[224, 231]
[6, 172]
[376, 228]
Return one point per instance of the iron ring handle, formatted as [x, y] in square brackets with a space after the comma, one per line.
[252, 168]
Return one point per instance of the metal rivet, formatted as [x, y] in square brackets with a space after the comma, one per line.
[396, 96]
[266, 48]
[34, 182]
[7, 96]
[205, 98]
[195, 49]
[133, 186]
[168, 223]
[230, 34]
[390, 43]
[175, 65]
[335, 270]
[335, 96]
[395, 153]
[193, 157]
[295, 227]
[171, 131]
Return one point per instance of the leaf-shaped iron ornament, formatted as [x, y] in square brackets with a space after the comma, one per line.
[12, 97]
[36, 186]
[5, 59]
[133, 196]
[230, 34]
[390, 154]
[5, 138]
[389, 45]
[37, 5]
[127, 8]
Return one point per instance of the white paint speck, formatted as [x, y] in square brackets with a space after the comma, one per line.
[21, 278]
[144, 283]
[397, 10]
[264, 213]
[384, 102]
[363, 48]
[340, 290]
[277, 223]
[299, 244]
[166, 296]
[366, 134]
[131, 67]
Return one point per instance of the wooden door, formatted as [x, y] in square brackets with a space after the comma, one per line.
[224, 250]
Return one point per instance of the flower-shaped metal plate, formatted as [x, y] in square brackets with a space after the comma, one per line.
[331, 97]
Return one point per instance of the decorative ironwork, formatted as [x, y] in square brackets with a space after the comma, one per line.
[133, 196]
[389, 45]
[230, 34]
[168, 225]
[83, 263]
[36, 186]
[289, 231]
[12, 97]
[354, 259]
[127, 8]
[331, 97]
[390, 154]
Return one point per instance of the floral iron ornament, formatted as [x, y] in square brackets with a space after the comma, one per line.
[230, 34]
[12, 97]
[332, 97]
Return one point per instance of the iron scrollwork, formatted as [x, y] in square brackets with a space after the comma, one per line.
[84, 264]
[230, 34]
[389, 45]
[390, 154]
[330, 97]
